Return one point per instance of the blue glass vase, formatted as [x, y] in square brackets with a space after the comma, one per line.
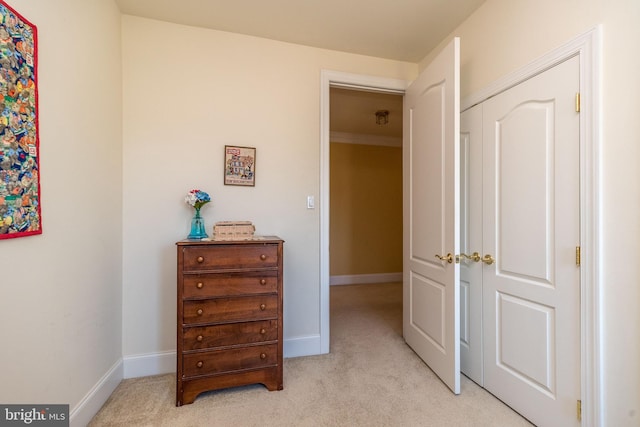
[197, 226]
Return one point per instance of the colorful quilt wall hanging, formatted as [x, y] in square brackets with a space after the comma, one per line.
[20, 213]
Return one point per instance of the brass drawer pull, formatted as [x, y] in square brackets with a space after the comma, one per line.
[263, 282]
[199, 364]
[263, 356]
[200, 259]
[263, 257]
[199, 312]
[199, 338]
[263, 307]
[199, 285]
[263, 331]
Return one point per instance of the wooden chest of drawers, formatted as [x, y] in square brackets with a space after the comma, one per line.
[229, 315]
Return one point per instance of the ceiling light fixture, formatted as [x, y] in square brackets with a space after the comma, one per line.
[382, 117]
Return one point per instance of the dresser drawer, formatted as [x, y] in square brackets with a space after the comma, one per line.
[219, 361]
[259, 307]
[229, 284]
[219, 257]
[198, 338]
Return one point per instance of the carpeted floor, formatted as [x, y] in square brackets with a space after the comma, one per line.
[370, 378]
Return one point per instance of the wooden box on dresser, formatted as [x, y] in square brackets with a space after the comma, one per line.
[229, 315]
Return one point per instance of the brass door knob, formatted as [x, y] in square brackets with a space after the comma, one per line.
[263, 356]
[448, 257]
[263, 331]
[199, 285]
[263, 307]
[475, 257]
[200, 259]
[199, 312]
[263, 257]
[488, 259]
[199, 364]
[199, 338]
[263, 282]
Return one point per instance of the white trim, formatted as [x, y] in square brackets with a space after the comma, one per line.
[364, 83]
[358, 279]
[330, 79]
[302, 346]
[91, 403]
[588, 47]
[144, 365]
[364, 139]
[591, 233]
[574, 47]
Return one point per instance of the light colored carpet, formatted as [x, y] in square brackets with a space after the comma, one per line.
[370, 378]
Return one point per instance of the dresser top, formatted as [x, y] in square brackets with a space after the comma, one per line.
[212, 241]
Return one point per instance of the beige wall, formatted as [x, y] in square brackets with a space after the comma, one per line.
[365, 209]
[60, 292]
[504, 35]
[187, 93]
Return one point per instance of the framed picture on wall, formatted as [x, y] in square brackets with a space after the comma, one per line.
[20, 213]
[239, 166]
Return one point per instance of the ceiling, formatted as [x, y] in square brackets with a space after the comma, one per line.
[354, 112]
[404, 30]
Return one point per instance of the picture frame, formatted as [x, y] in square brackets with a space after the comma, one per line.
[239, 166]
[20, 211]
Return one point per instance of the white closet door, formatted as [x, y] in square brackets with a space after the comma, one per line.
[531, 228]
[471, 243]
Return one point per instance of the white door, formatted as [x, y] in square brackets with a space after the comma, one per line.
[431, 216]
[471, 243]
[532, 228]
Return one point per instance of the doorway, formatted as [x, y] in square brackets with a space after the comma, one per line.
[365, 187]
[334, 79]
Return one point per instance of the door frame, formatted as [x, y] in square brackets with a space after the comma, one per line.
[329, 79]
[588, 47]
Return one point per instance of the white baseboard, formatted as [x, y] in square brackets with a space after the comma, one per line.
[91, 403]
[302, 346]
[145, 365]
[356, 279]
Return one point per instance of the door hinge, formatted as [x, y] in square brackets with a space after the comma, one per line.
[578, 255]
[579, 410]
[578, 102]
